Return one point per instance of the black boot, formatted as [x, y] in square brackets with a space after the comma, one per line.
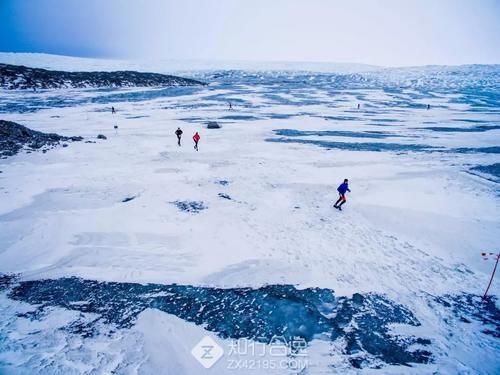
[336, 203]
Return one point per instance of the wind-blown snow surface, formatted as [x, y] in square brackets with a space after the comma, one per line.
[380, 284]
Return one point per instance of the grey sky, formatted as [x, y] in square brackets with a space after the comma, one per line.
[383, 32]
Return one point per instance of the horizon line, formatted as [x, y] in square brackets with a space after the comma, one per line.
[239, 61]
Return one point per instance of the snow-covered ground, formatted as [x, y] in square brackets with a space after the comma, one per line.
[413, 229]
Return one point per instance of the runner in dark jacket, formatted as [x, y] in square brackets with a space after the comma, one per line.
[178, 133]
[342, 189]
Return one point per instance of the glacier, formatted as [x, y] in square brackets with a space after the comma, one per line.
[119, 256]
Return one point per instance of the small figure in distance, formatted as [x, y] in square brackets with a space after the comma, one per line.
[196, 139]
[358, 105]
[178, 133]
[428, 106]
[113, 110]
[230, 106]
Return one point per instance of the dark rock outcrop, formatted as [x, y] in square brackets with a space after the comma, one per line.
[213, 125]
[22, 77]
[14, 137]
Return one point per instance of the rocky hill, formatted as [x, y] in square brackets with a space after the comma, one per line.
[22, 77]
[14, 137]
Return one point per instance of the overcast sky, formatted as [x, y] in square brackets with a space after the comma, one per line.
[384, 32]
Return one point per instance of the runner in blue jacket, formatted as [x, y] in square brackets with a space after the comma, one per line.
[342, 189]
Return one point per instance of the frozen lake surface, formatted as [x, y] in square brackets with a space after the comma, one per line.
[118, 256]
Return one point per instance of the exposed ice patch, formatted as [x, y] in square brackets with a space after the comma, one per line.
[475, 129]
[190, 206]
[334, 133]
[484, 150]
[239, 117]
[362, 323]
[136, 117]
[467, 307]
[354, 146]
[490, 170]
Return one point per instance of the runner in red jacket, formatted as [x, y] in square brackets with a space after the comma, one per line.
[196, 139]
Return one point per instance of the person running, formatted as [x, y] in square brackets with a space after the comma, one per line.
[196, 139]
[178, 133]
[113, 110]
[342, 189]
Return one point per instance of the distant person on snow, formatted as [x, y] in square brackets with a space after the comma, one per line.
[358, 105]
[178, 133]
[196, 139]
[342, 189]
[113, 110]
[428, 106]
[230, 106]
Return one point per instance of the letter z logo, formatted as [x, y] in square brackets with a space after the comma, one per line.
[207, 352]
